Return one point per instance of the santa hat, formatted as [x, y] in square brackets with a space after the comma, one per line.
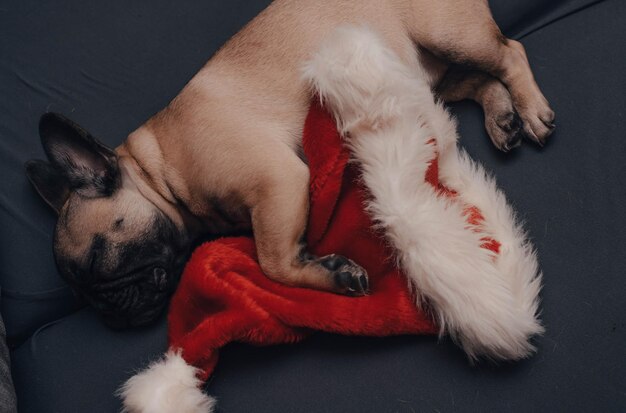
[417, 213]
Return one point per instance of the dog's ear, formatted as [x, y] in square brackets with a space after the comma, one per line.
[49, 183]
[90, 168]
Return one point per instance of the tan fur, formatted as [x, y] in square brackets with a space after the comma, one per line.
[233, 130]
[225, 151]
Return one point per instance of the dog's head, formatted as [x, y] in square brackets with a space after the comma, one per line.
[114, 246]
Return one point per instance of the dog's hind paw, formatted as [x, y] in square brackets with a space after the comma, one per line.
[505, 130]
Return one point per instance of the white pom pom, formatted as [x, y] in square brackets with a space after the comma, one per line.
[169, 385]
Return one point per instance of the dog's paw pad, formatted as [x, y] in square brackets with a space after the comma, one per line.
[507, 131]
[349, 278]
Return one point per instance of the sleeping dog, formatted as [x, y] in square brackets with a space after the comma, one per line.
[225, 155]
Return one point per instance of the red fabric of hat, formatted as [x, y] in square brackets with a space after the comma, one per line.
[224, 296]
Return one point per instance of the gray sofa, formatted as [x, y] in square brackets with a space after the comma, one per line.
[110, 65]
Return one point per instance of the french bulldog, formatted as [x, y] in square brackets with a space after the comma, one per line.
[225, 155]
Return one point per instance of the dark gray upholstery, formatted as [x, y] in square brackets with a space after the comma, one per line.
[110, 65]
[8, 402]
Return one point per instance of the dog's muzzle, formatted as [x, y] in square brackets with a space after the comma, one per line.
[134, 300]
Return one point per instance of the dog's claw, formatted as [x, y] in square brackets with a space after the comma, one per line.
[349, 278]
[354, 283]
[364, 282]
[505, 131]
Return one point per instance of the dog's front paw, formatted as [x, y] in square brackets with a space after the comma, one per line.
[348, 277]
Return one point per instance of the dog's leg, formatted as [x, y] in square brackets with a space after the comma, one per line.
[514, 70]
[506, 60]
[279, 220]
[469, 36]
[502, 121]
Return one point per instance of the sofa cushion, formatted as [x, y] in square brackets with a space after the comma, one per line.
[110, 65]
[8, 401]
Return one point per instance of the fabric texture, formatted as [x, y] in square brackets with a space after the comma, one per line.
[8, 402]
[224, 296]
[110, 65]
[418, 236]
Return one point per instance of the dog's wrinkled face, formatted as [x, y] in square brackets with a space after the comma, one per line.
[114, 246]
[121, 253]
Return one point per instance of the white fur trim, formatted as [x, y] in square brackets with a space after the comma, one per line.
[167, 386]
[386, 110]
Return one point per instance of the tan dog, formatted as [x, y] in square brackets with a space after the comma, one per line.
[225, 155]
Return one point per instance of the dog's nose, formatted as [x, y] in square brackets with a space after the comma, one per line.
[160, 278]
